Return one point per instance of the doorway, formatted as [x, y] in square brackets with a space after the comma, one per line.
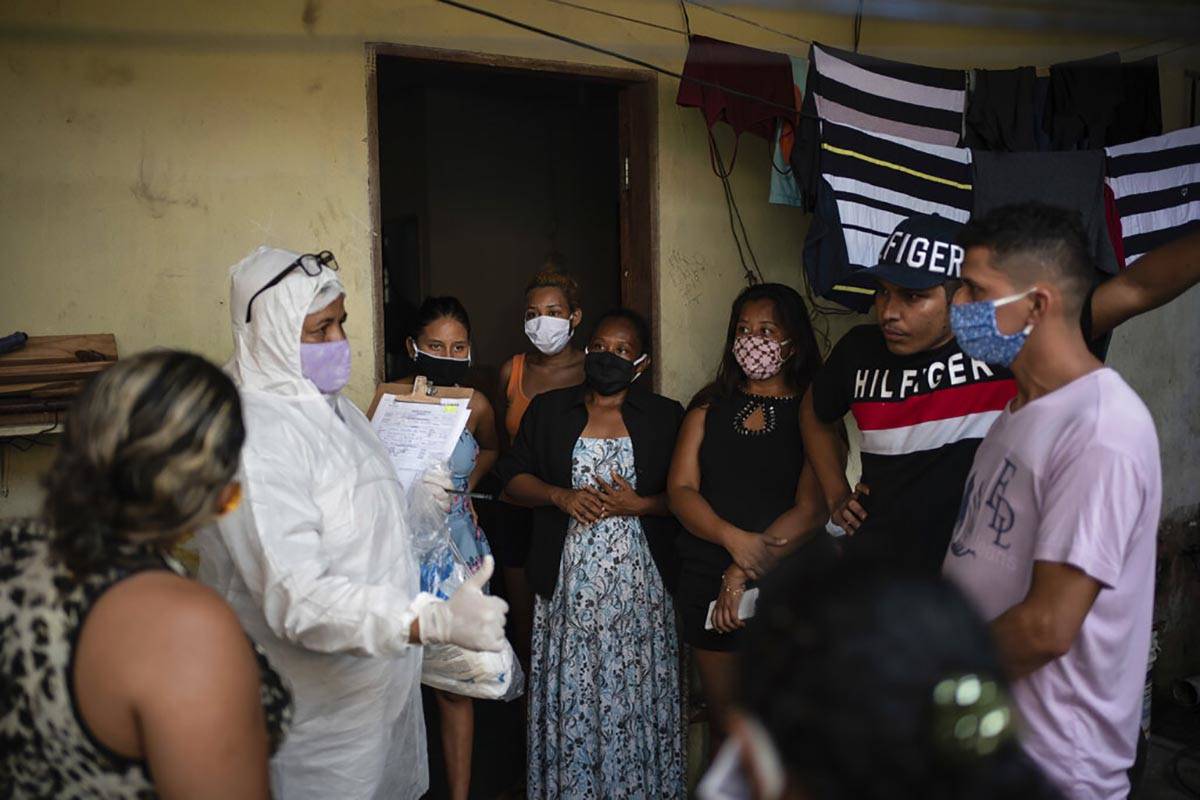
[487, 169]
[484, 169]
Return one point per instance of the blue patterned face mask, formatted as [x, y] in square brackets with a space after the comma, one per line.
[974, 326]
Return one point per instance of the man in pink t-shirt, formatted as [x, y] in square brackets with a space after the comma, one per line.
[1055, 541]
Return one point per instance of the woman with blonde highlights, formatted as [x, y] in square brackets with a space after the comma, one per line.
[122, 678]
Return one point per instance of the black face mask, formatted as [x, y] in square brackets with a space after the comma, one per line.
[608, 373]
[442, 371]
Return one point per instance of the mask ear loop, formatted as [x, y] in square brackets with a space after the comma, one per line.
[419, 352]
[640, 359]
[1012, 298]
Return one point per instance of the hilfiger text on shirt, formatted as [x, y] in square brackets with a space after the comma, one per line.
[897, 384]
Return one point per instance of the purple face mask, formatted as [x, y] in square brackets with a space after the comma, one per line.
[326, 364]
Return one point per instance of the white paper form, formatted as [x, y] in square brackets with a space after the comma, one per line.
[419, 435]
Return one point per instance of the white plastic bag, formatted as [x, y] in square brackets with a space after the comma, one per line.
[483, 675]
[487, 676]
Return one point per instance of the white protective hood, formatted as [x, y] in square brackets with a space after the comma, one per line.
[317, 561]
[266, 351]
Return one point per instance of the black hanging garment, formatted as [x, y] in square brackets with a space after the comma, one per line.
[1140, 113]
[1068, 180]
[1000, 110]
[1082, 101]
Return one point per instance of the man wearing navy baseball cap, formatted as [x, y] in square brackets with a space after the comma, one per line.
[921, 404]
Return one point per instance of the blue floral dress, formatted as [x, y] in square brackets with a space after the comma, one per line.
[467, 535]
[605, 719]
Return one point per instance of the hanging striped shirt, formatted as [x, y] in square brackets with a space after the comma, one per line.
[869, 184]
[922, 104]
[1156, 183]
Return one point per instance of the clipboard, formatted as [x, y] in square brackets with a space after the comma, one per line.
[422, 391]
[419, 426]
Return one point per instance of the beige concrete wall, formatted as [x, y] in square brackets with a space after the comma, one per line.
[147, 146]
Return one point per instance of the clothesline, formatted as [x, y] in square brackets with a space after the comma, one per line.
[628, 59]
[634, 20]
[615, 54]
[748, 21]
[602, 12]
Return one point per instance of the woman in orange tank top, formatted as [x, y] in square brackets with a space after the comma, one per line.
[552, 314]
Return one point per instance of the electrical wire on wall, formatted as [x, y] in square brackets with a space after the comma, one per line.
[602, 12]
[748, 21]
[749, 268]
[858, 18]
[741, 241]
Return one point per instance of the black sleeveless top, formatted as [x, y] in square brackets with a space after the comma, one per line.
[46, 749]
[748, 477]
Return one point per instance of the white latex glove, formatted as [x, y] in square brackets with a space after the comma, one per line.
[438, 484]
[469, 619]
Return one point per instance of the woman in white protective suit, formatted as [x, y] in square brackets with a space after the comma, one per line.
[318, 561]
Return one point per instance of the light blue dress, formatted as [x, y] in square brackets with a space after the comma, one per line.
[467, 535]
[605, 719]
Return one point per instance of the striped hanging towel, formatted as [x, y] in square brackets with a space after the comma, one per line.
[923, 104]
[869, 184]
[1156, 183]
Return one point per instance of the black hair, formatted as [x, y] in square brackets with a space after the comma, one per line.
[435, 308]
[793, 318]
[840, 667]
[147, 448]
[640, 326]
[1035, 240]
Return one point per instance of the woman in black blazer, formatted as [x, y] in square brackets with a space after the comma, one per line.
[604, 702]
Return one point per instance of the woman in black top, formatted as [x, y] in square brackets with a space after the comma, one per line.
[739, 482]
[604, 702]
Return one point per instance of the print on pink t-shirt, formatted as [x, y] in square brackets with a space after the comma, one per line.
[1073, 477]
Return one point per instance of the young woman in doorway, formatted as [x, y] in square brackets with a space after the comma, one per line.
[739, 481]
[440, 347]
[555, 361]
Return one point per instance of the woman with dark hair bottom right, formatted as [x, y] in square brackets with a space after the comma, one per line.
[865, 683]
[118, 677]
[739, 481]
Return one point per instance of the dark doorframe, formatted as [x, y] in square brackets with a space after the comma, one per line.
[637, 163]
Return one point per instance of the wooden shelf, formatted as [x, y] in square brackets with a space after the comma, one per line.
[24, 431]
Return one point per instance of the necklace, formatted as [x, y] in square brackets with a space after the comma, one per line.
[749, 409]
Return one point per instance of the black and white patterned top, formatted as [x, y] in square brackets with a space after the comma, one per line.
[45, 748]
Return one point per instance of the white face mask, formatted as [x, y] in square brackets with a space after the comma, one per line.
[549, 334]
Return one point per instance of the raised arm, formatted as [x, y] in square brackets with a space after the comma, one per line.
[1154, 280]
